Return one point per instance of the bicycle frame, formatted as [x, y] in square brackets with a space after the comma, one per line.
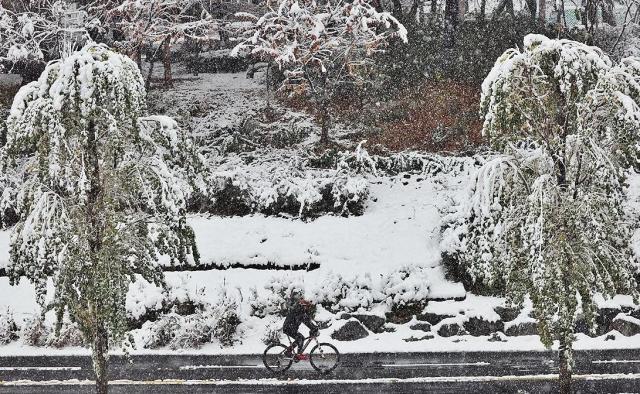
[306, 343]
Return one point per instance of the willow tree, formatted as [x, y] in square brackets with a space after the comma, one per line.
[546, 217]
[101, 192]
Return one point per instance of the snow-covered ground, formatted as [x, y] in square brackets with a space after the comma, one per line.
[389, 255]
[398, 229]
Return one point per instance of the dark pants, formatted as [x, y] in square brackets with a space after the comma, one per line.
[298, 339]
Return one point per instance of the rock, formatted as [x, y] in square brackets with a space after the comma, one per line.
[372, 322]
[432, 318]
[610, 337]
[479, 327]
[450, 329]
[506, 313]
[582, 327]
[416, 339]
[604, 319]
[351, 331]
[421, 326]
[524, 328]
[626, 325]
[496, 337]
[403, 314]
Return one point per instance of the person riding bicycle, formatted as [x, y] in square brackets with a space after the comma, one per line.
[301, 312]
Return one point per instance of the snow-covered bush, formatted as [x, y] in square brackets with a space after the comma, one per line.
[280, 291]
[272, 333]
[69, 334]
[335, 293]
[405, 286]
[8, 328]
[282, 183]
[219, 322]
[34, 332]
[161, 332]
[147, 301]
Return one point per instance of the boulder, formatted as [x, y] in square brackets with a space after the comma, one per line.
[626, 325]
[372, 322]
[506, 313]
[426, 327]
[496, 337]
[432, 318]
[351, 331]
[477, 326]
[524, 328]
[403, 314]
[604, 319]
[416, 339]
[450, 329]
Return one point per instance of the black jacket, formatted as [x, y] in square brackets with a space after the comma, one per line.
[298, 314]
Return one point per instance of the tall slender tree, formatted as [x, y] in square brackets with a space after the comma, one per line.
[546, 218]
[101, 191]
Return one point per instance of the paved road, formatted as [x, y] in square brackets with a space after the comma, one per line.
[596, 371]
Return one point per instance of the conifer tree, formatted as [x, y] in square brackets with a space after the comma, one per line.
[101, 192]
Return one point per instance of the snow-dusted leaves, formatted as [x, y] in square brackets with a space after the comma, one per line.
[546, 217]
[102, 189]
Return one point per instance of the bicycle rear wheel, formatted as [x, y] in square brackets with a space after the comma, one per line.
[275, 360]
[324, 357]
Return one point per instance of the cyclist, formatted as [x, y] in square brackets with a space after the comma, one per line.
[301, 312]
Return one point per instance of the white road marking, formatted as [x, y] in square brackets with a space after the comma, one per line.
[614, 361]
[193, 367]
[436, 364]
[40, 368]
[276, 382]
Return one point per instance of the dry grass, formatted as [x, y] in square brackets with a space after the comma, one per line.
[433, 117]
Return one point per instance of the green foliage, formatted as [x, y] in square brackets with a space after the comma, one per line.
[546, 218]
[102, 189]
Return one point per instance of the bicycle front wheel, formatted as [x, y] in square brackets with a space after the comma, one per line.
[275, 359]
[324, 357]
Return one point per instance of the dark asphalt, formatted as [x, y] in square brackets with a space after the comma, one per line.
[201, 373]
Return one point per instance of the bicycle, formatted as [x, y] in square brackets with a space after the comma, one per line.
[324, 357]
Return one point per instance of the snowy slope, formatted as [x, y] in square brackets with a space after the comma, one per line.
[400, 228]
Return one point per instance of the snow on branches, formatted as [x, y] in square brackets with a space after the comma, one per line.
[37, 31]
[102, 189]
[304, 33]
[155, 20]
[546, 217]
[320, 45]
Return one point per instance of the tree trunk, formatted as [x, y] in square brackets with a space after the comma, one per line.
[462, 9]
[450, 22]
[324, 122]
[147, 83]
[565, 366]
[434, 10]
[100, 344]
[532, 5]
[542, 12]
[137, 56]
[100, 349]
[166, 62]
